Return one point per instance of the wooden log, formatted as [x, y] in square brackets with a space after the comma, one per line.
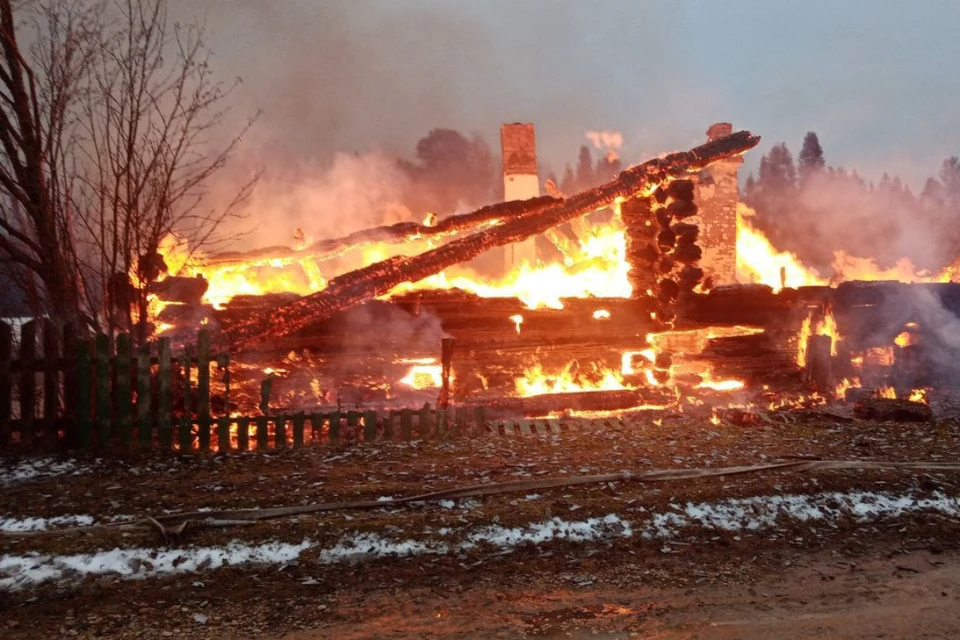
[892, 410]
[379, 278]
[395, 233]
[819, 373]
[614, 400]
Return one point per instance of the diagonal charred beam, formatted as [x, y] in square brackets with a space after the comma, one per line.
[379, 278]
[392, 233]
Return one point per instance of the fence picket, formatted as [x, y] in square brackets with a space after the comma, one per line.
[164, 395]
[144, 396]
[101, 388]
[280, 432]
[263, 439]
[243, 434]
[6, 384]
[51, 384]
[334, 432]
[406, 424]
[122, 390]
[369, 426]
[203, 390]
[84, 394]
[298, 422]
[28, 383]
[70, 353]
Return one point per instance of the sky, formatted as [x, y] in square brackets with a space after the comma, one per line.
[875, 79]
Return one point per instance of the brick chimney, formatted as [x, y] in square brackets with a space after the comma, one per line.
[520, 182]
[717, 198]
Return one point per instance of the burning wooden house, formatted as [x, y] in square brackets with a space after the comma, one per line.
[637, 306]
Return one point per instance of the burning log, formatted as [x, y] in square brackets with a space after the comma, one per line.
[617, 400]
[530, 219]
[393, 233]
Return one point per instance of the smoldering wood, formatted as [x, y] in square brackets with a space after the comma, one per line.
[819, 367]
[892, 410]
[180, 289]
[618, 400]
[379, 278]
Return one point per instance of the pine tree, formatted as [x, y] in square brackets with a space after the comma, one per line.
[585, 172]
[811, 157]
[778, 175]
[568, 184]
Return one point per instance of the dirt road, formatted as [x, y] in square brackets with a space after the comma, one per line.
[910, 595]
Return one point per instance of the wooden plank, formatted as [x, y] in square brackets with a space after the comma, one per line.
[280, 432]
[101, 389]
[406, 424]
[28, 384]
[369, 426]
[425, 426]
[186, 368]
[480, 416]
[353, 419]
[388, 422]
[51, 384]
[223, 434]
[122, 391]
[554, 425]
[243, 434]
[84, 395]
[164, 395]
[6, 400]
[316, 426]
[298, 423]
[541, 427]
[524, 426]
[70, 410]
[223, 364]
[203, 390]
[263, 435]
[145, 415]
[334, 433]
[184, 435]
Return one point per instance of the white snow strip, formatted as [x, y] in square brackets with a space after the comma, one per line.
[736, 515]
[37, 469]
[752, 514]
[17, 572]
[20, 525]
[372, 545]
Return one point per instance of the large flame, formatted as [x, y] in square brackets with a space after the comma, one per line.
[758, 262]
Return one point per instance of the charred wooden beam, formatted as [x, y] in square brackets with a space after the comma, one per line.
[391, 233]
[615, 400]
[379, 278]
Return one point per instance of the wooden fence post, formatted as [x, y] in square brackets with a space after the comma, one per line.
[203, 390]
[28, 382]
[101, 388]
[6, 383]
[70, 407]
[51, 385]
[144, 397]
[84, 394]
[123, 389]
[164, 396]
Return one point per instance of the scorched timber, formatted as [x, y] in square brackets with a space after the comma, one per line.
[614, 400]
[379, 278]
[392, 233]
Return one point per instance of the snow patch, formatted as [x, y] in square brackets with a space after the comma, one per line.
[753, 514]
[21, 525]
[38, 469]
[19, 571]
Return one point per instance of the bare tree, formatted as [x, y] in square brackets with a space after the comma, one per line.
[38, 87]
[152, 112]
[110, 132]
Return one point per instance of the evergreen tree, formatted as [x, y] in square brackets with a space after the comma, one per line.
[585, 172]
[950, 179]
[778, 174]
[811, 157]
[568, 184]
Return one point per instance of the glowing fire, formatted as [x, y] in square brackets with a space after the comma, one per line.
[760, 263]
[918, 395]
[601, 314]
[535, 381]
[887, 392]
[423, 374]
[826, 326]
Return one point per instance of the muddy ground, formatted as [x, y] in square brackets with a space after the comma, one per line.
[896, 577]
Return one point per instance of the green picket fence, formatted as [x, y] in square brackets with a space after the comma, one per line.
[103, 394]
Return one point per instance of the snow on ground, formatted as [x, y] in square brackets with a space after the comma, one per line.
[41, 468]
[733, 515]
[10, 525]
[22, 571]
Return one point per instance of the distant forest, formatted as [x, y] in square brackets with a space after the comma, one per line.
[812, 209]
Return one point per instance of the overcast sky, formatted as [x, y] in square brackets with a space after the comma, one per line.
[876, 79]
